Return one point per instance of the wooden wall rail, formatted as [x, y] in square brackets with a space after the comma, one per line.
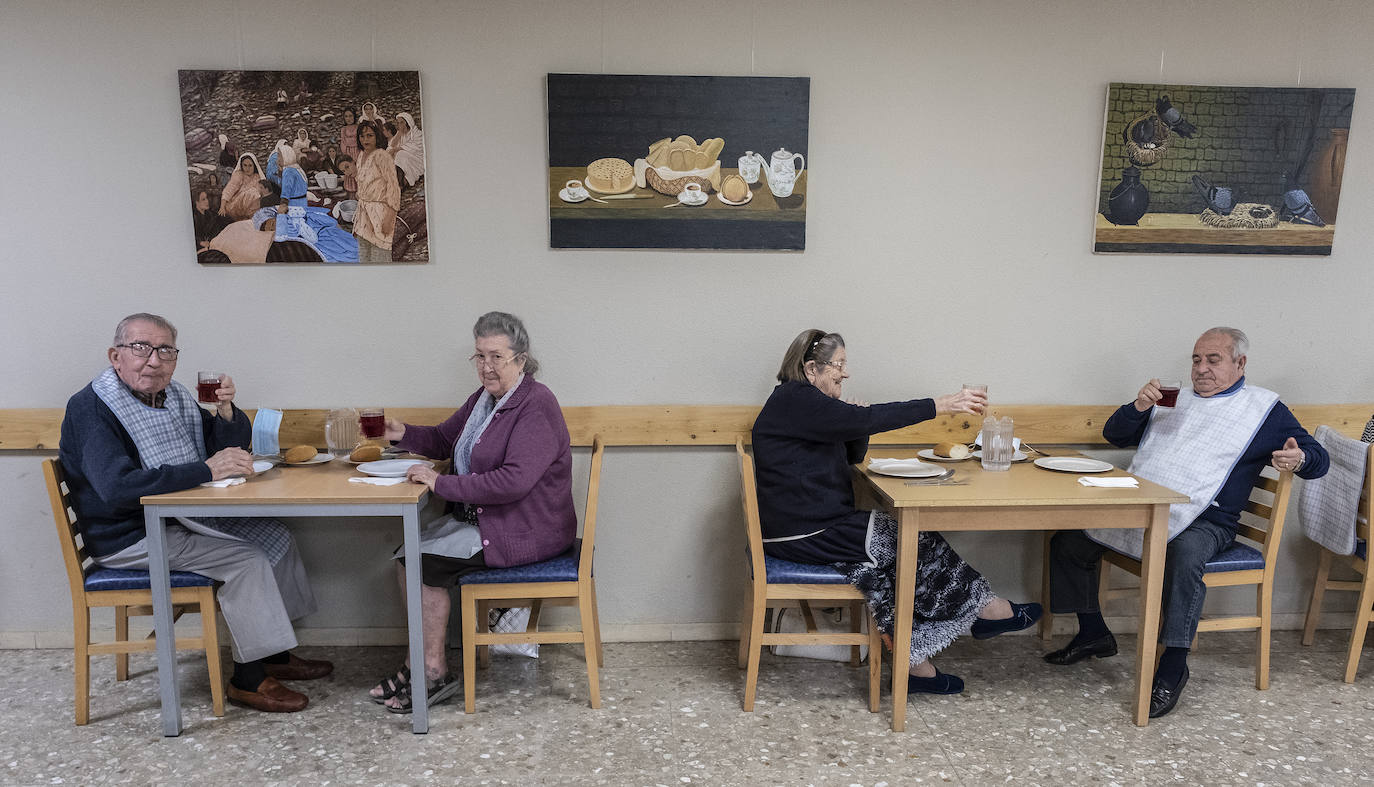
[650, 425]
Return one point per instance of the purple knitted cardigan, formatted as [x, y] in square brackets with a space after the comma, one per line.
[521, 476]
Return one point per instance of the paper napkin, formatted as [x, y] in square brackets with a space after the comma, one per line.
[1110, 483]
[223, 482]
[377, 481]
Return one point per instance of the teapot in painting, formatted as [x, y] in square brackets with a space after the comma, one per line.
[781, 171]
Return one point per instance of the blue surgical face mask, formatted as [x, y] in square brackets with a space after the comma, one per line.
[266, 424]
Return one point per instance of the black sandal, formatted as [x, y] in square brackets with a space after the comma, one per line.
[440, 691]
[390, 686]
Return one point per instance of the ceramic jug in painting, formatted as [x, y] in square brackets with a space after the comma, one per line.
[781, 171]
[749, 165]
[1129, 200]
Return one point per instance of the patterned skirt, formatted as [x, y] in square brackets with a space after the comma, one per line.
[949, 592]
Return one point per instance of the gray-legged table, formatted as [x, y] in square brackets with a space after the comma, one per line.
[311, 490]
[1023, 498]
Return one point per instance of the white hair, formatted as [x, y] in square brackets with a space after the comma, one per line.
[160, 322]
[1240, 343]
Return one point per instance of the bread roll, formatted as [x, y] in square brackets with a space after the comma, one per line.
[734, 188]
[298, 454]
[952, 450]
[366, 453]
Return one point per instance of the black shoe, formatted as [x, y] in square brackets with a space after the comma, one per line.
[942, 683]
[1164, 698]
[1023, 616]
[1076, 651]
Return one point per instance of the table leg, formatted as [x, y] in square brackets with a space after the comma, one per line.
[160, 579]
[1151, 583]
[415, 622]
[1046, 617]
[908, 527]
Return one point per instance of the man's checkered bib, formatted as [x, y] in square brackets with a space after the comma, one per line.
[173, 435]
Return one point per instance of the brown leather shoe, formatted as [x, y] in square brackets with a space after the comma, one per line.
[271, 697]
[297, 668]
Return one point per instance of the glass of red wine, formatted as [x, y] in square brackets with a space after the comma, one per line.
[206, 385]
[1168, 389]
[372, 421]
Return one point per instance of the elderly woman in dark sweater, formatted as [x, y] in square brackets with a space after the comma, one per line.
[510, 489]
[805, 439]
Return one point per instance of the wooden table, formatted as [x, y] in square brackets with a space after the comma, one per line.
[1184, 232]
[312, 490]
[1024, 498]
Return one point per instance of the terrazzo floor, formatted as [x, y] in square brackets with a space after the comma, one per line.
[670, 715]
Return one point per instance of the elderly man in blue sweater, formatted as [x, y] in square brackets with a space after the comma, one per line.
[1211, 446]
[133, 431]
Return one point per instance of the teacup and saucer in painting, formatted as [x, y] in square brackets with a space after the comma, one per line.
[574, 191]
[692, 195]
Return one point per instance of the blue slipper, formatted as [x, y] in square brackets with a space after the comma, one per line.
[940, 684]
[1023, 616]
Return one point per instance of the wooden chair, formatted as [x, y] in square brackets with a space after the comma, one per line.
[775, 583]
[1238, 564]
[565, 580]
[1364, 585]
[129, 593]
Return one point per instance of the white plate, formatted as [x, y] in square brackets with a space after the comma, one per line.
[909, 468]
[391, 468]
[320, 458]
[385, 456]
[566, 196]
[262, 466]
[1074, 464]
[1019, 456]
[745, 201]
[929, 453]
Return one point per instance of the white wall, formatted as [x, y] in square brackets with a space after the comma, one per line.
[954, 157]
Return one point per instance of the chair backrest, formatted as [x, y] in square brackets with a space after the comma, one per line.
[749, 498]
[1262, 519]
[1362, 516]
[584, 566]
[68, 535]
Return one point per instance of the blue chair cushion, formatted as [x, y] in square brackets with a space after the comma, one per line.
[785, 571]
[1237, 557]
[556, 569]
[99, 578]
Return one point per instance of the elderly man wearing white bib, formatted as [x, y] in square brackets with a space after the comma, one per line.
[1210, 446]
[134, 431]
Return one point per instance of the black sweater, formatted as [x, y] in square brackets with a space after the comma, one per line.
[804, 443]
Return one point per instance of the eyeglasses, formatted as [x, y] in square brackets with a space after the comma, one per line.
[839, 365]
[144, 349]
[493, 362]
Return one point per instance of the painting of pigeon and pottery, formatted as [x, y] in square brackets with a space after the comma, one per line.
[1222, 170]
[305, 166]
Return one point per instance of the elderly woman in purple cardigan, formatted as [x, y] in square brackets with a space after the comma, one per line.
[510, 489]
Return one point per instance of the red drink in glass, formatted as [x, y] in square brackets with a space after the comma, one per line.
[206, 385]
[373, 423]
[1168, 390]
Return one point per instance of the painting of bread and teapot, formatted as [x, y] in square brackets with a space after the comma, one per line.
[623, 148]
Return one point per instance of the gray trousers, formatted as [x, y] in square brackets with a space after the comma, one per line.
[1074, 566]
[258, 600]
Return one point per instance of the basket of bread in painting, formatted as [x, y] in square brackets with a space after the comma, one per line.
[673, 163]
